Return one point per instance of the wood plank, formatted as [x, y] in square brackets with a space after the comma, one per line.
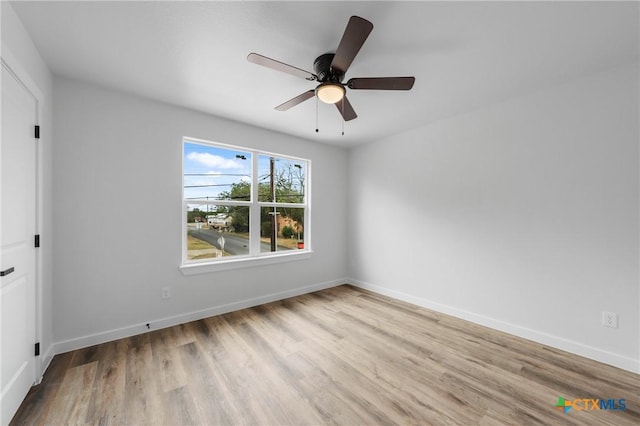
[106, 406]
[143, 397]
[72, 400]
[166, 360]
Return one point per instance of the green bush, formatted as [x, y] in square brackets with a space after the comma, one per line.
[288, 232]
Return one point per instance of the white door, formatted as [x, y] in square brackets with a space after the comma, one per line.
[17, 255]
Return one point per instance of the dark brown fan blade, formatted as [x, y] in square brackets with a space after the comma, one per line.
[382, 83]
[348, 113]
[295, 101]
[280, 66]
[354, 36]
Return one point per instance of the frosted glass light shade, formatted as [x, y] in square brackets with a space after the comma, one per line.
[330, 93]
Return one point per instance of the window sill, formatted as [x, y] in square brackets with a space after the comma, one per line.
[240, 263]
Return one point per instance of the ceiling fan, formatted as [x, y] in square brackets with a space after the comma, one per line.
[331, 68]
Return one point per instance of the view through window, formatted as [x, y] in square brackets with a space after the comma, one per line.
[240, 202]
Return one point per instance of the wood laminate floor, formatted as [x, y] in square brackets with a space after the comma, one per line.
[338, 356]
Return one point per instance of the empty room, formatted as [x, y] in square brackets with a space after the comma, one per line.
[309, 213]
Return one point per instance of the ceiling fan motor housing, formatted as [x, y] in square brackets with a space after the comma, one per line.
[322, 67]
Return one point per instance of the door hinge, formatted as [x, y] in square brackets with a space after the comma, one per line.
[37, 349]
[37, 132]
[36, 242]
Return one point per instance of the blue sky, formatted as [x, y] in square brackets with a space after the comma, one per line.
[208, 165]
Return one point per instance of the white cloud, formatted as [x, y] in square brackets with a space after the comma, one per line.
[213, 161]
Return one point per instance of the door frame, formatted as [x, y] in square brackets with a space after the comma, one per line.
[11, 64]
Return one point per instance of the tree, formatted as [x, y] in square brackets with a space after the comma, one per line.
[288, 185]
[239, 214]
[191, 215]
[240, 191]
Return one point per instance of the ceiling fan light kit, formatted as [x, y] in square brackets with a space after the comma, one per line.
[330, 93]
[330, 70]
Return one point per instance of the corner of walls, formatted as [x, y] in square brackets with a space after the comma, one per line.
[522, 216]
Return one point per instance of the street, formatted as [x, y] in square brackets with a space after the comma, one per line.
[233, 245]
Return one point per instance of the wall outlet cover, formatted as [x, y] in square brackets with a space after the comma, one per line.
[610, 319]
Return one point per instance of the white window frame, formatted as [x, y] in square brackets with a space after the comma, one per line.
[255, 257]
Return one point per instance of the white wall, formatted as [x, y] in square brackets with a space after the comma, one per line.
[19, 52]
[117, 185]
[522, 216]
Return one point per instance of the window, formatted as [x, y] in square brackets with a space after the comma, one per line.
[242, 204]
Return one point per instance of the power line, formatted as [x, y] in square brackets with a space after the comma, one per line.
[212, 199]
[206, 186]
[217, 174]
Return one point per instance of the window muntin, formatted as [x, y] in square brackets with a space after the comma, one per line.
[234, 196]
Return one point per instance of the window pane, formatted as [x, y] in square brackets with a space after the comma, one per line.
[217, 231]
[226, 187]
[281, 179]
[281, 228]
[215, 173]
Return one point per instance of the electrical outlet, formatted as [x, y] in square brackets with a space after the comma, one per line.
[610, 319]
[166, 292]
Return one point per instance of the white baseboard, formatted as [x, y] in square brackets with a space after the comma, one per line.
[625, 363]
[132, 330]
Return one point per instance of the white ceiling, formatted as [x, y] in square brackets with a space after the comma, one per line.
[463, 54]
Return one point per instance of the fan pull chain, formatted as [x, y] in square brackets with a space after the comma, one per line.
[316, 114]
[342, 116]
